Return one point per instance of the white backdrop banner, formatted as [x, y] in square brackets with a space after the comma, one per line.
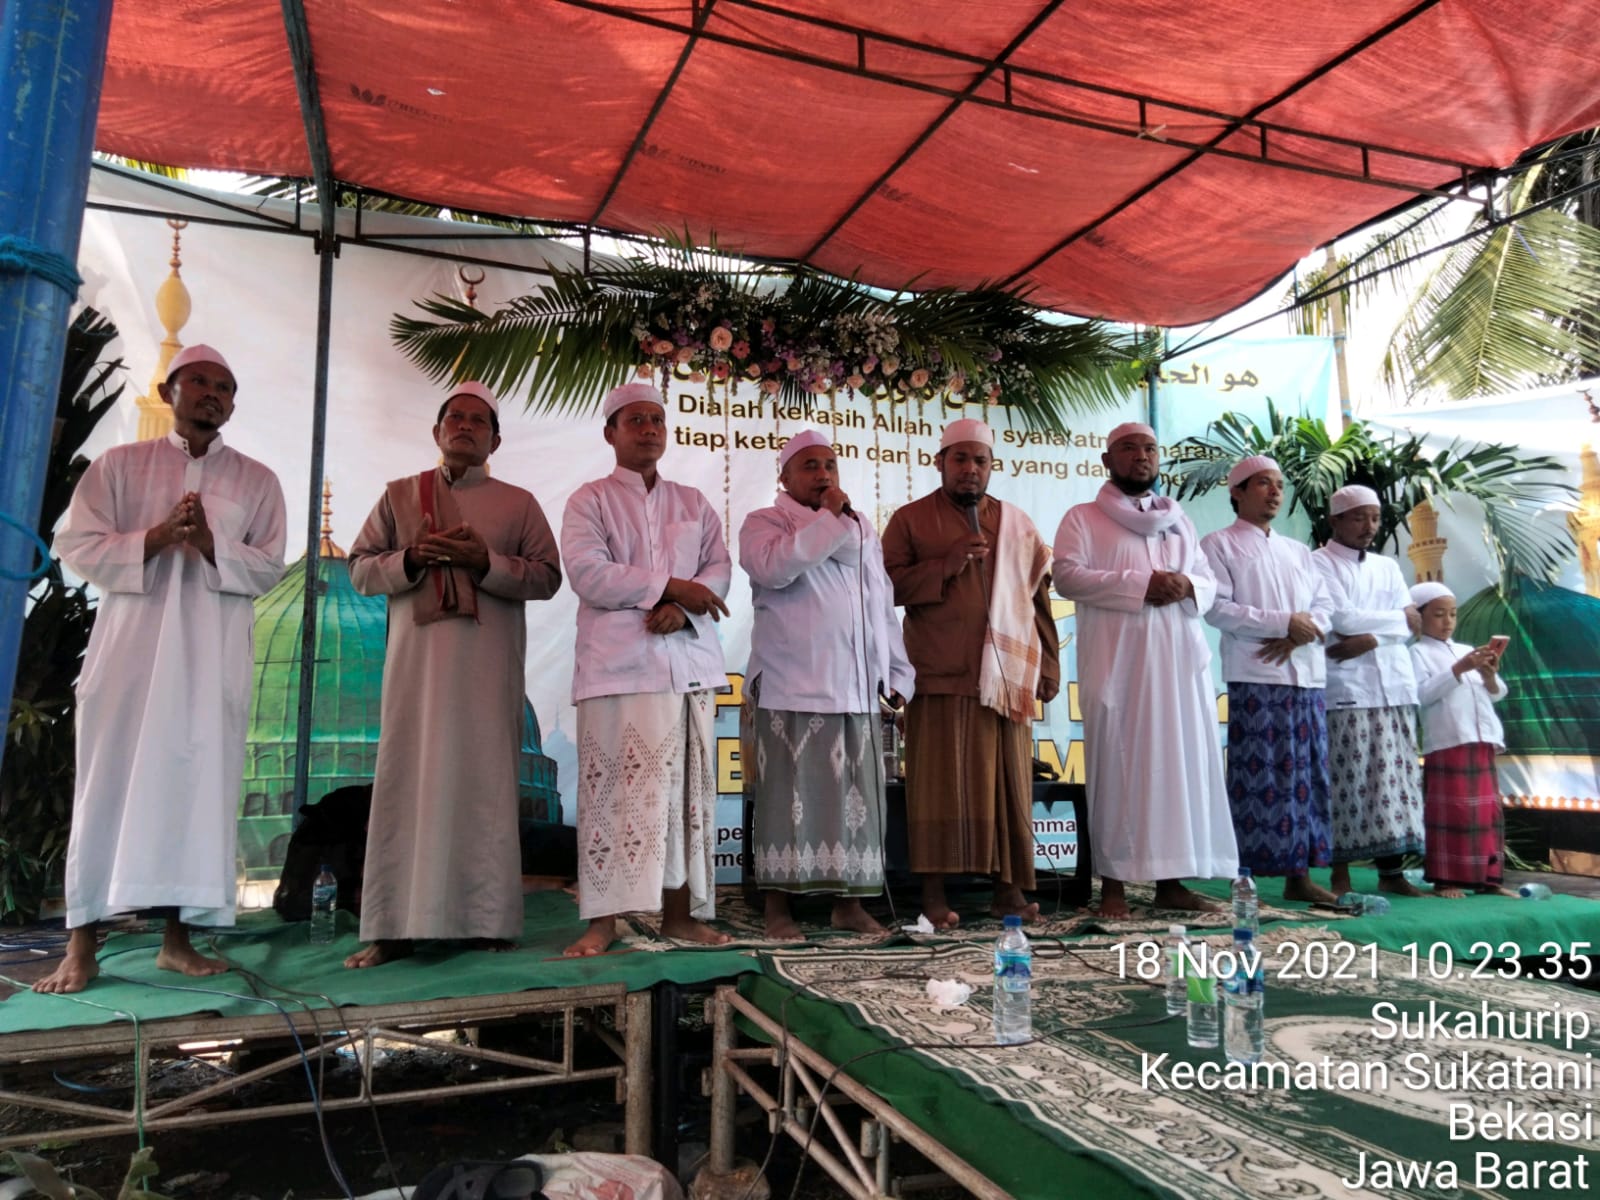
[254, 298]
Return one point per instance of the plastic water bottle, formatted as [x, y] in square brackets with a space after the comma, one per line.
[1535, 891]
[1177, 990]
[1415, 876]
[1244, 998]
[1363, 904]
[324, 902]
[1202, 993]
[1246, 905]
[1013, 983]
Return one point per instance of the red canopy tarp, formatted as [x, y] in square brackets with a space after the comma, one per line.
[1130, 160]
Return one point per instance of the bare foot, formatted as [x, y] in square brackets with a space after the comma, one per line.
[943, 917]
[1009, 901]
[177, 954]
[1445, 892]
[781, 925]
[77, 968]
[596, 939]
[1300, 887]
[189, 961]
[1397, 885]
[848, 914]
[497, 945]
[1170, 893]
[1113, 900]
[379, 953]
[693, 931]
[1339, 879]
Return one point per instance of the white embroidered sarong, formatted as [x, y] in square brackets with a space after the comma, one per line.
[647, 794]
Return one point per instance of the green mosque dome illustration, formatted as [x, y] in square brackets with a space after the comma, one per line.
[351, 631]
[1552, 667]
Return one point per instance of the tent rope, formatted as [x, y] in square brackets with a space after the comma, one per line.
[44, 550]
[19, 255]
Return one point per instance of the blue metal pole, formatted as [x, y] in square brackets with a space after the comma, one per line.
[52, 57]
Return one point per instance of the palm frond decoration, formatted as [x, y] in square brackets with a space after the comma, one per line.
[1512, 487]
[790, 336]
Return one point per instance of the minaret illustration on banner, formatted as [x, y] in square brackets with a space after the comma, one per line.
[173, 308]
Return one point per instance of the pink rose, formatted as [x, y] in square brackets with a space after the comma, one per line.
[793, 363]
[769, 386]
[697, 376]
[868, 363]
[919, 377]
[855, 381]
[958, 383]
[685, 353]
[721, 337]
[662, 346]
[752, 371]
[820, 385]
[645, 371]
[891, 364]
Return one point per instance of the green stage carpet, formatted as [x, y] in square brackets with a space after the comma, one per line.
[280, 954]
[1076, 1113]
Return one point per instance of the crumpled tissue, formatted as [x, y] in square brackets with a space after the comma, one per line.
[923, 925]
[948, 993]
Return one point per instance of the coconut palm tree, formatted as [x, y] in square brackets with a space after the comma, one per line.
[1514, 302]
[1316, 464]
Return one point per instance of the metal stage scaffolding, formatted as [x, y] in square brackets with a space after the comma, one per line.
[805, 1103]
[326, 1031]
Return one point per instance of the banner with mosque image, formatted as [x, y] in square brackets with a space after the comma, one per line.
[1552, 666]
[251, 292]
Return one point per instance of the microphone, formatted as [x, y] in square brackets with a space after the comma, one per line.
[972, 513]
[848, 511]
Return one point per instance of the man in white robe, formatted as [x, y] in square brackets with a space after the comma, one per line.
[1158, 804]
[1375, 780]
[824, 647]
[647, 561]
[179, 535]
[458, 555]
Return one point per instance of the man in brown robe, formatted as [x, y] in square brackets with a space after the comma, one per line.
[973, 576]
[458, 555]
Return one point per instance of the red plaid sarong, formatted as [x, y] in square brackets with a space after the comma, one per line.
[1464, 827]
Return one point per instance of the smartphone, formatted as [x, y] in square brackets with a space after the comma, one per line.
[1498, 644]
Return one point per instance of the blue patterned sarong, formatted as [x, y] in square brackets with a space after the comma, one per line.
[1278, 777]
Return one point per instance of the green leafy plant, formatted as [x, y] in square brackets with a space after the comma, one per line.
[36, 776]
[790, 336]
[1316, 464]
[34, 1176]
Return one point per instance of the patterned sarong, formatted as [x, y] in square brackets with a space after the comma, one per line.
[647, 794]
[817, 783]
[1375, 782]
[1278, 777]
[1465, 824]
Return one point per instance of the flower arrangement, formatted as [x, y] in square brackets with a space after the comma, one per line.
[793, 336]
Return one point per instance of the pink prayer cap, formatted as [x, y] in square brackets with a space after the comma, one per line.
[966, 430]
[474, 388]
[1424, 594]
[803, 440]
[193, 354]
[1252, 467]
[630, 393]
[1353, 496]
[1126, 429]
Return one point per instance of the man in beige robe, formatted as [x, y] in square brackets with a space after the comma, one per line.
[458, 555]
[979, 631]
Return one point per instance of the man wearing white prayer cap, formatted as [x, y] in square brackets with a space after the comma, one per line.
[1273, 609]
[646, 558]
[180, 534]
[1131, 560]
[458, 555]
[974, 577]
[1375, 783]
[825, 648]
